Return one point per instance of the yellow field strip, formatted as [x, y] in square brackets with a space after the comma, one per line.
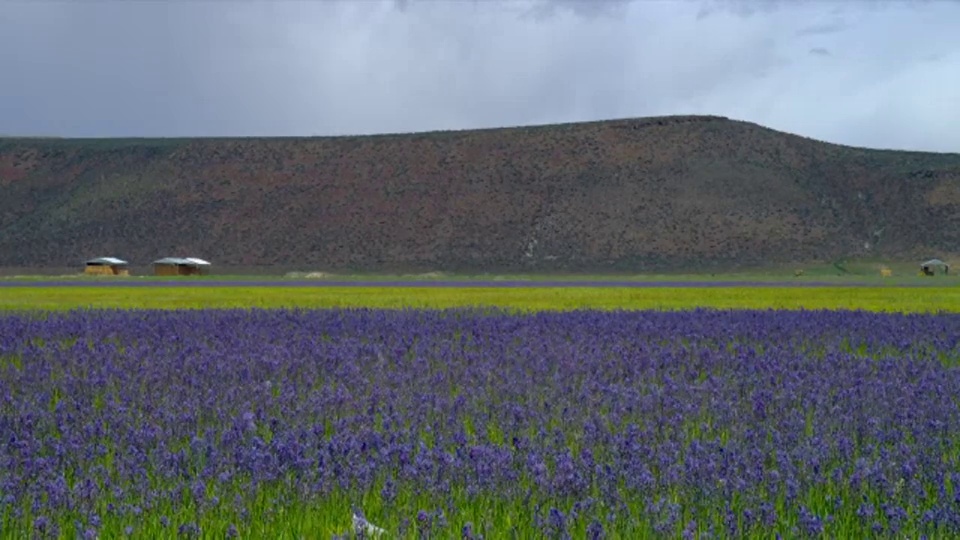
[901, 299]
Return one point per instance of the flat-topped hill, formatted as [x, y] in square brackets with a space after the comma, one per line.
[622, 195]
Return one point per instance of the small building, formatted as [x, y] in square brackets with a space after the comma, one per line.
[931, 267]
[106, 266]
[180, 266]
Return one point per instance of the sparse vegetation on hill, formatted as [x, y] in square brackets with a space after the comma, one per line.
[627, 195]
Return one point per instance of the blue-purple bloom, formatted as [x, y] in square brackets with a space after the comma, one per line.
[747, 423]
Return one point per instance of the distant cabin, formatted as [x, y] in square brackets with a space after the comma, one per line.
[106, 266]
[930, 267]
[177, 266]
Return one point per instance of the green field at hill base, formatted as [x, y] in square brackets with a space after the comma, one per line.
[859, 272]
[898, 299]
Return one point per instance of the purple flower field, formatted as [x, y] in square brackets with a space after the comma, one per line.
[469, 424]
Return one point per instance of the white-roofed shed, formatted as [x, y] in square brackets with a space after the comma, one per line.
[106, 266]
[179, 266]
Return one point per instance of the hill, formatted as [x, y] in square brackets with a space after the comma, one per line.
[625, 195]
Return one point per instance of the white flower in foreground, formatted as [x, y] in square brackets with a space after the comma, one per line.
[363, 527]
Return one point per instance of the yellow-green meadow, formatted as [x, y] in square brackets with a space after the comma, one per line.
[889, 299]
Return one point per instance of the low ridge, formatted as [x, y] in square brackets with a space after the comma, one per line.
[624, 195]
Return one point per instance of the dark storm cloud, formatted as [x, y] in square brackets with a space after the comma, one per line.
[101, 68]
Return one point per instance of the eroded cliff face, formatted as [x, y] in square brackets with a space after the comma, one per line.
[652, 193]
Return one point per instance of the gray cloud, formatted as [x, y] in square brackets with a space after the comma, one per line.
[545, 9]
[822, 29]
[196, 68]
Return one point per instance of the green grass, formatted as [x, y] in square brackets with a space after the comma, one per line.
[840, 274]
[276, 515]
[893, 299]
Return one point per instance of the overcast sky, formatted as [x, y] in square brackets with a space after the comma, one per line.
[874, 73]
